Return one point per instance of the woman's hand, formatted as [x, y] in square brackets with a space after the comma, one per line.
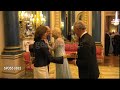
[73, 55]
[46, 41]
[66, 56]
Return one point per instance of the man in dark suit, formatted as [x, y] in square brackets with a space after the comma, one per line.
[86, 60]
[107, 43]
[116, 44]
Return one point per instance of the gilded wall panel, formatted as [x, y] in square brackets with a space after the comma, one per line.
[84, 16]
[57, 19]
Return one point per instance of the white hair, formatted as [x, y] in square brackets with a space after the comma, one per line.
[80, 25]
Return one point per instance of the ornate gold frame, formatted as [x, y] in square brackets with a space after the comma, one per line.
[84, 16]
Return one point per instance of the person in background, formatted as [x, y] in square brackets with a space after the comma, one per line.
[49, 40]
[69, 36]
[107, 43]
[49, 33]
[111, 45]
[86, 54]
[116, 43]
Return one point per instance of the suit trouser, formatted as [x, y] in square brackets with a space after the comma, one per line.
[85, 74]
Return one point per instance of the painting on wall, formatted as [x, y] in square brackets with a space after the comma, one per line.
[84, 16]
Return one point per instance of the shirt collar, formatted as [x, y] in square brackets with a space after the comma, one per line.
[83, 34]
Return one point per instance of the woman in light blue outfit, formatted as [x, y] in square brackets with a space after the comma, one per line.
[62, 70]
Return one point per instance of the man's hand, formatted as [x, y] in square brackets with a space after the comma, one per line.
[73, 55]
[72, 62]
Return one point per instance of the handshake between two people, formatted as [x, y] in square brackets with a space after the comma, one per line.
[72, 56]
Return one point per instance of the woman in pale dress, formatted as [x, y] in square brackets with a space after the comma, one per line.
[62, 70]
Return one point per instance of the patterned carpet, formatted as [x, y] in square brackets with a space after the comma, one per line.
[106, 72]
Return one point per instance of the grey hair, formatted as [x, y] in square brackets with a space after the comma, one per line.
[80, 25]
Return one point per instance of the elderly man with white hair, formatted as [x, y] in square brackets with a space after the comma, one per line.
[86, 60]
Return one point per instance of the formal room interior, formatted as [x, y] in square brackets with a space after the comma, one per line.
[17, 30]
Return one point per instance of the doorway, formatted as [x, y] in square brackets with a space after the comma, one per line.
[110, 59]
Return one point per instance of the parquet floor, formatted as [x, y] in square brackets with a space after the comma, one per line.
[108, 70]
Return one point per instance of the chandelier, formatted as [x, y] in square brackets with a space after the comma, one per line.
[116, 20]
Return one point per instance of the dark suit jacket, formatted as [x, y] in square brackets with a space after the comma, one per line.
[107, 41]
[86, 61]
[43, 56]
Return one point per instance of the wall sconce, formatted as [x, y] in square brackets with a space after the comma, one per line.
[116, 20]
[71, 27]
[62, 25]
[43, 19]
[113, 31]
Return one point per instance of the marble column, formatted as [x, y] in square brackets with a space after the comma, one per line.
[63, 19]
[11, 28]
[46, 14]
[69, 21]
[12, 59]
[73, 17]
[48, 18]
[96, 26]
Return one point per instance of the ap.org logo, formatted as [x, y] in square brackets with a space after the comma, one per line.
[11, 68]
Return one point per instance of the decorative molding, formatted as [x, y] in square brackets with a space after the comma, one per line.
[86, 19]
[25, 44]
[12, 47]
[11, 57]
[90, 22]
[13, 66]
[109, 13]
[52, 19]
[57, 19]
[84, 16]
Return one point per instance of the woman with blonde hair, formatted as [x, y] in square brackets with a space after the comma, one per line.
[62, 70]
